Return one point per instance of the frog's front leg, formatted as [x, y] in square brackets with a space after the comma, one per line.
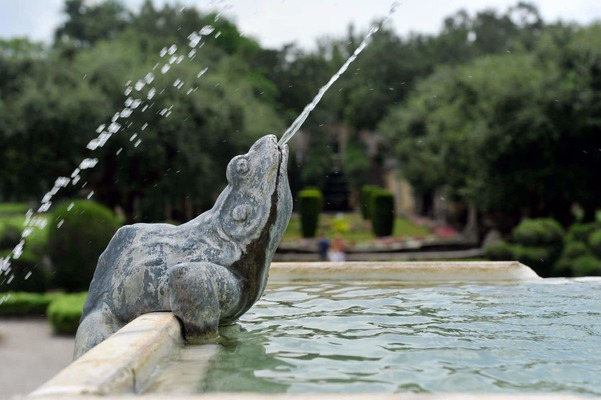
[200, 295]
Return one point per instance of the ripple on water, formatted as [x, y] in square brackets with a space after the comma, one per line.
[533, 337]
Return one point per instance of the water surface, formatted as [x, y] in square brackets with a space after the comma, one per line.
[333, 337]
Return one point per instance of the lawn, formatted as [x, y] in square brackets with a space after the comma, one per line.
[353, 228]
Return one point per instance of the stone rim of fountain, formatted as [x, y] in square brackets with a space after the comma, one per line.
[122, 365]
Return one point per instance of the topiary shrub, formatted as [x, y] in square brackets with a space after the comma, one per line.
[581, 232]
[10, 235]
[594, 242]
[382, 212]
[543, 236]
[64, 313]
[26, 274]
[538, 258]
[19, 304]
[80, 233]
[365, 200]
[499, 250]
[310, 202]
[587, 265]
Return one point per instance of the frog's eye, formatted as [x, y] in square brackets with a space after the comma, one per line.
[241, 212]
[242, 166]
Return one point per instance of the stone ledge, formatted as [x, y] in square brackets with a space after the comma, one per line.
[412, 271]
[121, 362]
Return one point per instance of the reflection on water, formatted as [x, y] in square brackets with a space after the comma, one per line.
[535, 337]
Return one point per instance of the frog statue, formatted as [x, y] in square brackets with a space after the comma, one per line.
[208, 271]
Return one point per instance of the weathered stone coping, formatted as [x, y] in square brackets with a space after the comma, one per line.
[122, 364]
[411, 271]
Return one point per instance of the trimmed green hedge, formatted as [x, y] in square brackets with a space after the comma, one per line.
[310, 203]
[499, 251]
[64, 313]
[26, 274]
[365, 200]
[382, 212]
[75, 241]
[19, 304]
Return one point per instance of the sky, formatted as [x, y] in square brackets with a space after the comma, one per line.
[277, 22]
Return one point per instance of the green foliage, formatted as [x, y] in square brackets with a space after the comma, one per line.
[65, 311]
[499, 251]
[580, 232]
[538, 258]
[574, 250]
[26, 274]
[365, 200]
[382, 212]
[587, 265]
[543, 232]
[594, 242]
[10, 234]
[75, 246]
[310, 203]
[19, 304]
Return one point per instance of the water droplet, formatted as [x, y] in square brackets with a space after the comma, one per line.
[140, 85]
[128, 90]
[100, 128]
[179, 59]
[201, 73]
[138, 143]
[119, 151]
[70, 206]
[131, 139]
[89, 196]
[149, 78]
[206, 30]
[192, 54]
[27, 276]
[151, 93]
[172, 50]
[126, 112]
[88, 163]
[60, 223]
[165, 68]
[163, 52]
[75, 180]
[114, 127]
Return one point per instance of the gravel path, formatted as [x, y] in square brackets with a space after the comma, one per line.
[30, 355]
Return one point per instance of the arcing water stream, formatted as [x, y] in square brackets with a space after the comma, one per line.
[132, 104]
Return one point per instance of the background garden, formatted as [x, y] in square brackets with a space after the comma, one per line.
[500, 111]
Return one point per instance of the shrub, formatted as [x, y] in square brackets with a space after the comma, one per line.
[18, 304]
[76, 240]
[587, 265]
[310, 202]
[539, 232]
[365, 200]
[10, 235]
[542, 233]
[537, 258]
[499, 251]
[573, 250]
[26, 274]
[594, 242]
[382, 212]
[581, 232]
[64, 313]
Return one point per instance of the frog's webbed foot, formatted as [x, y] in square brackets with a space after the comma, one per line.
[201, 294]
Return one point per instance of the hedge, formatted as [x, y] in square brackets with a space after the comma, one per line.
[382, 212]
[19, 304]
[310, 203]
[64, 313]
[365, 200]
[499, 251]
[79, 233]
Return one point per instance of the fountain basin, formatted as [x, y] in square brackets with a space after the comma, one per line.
[123, 364]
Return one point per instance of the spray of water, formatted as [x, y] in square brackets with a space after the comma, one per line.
[139, 99]
[298, 122]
